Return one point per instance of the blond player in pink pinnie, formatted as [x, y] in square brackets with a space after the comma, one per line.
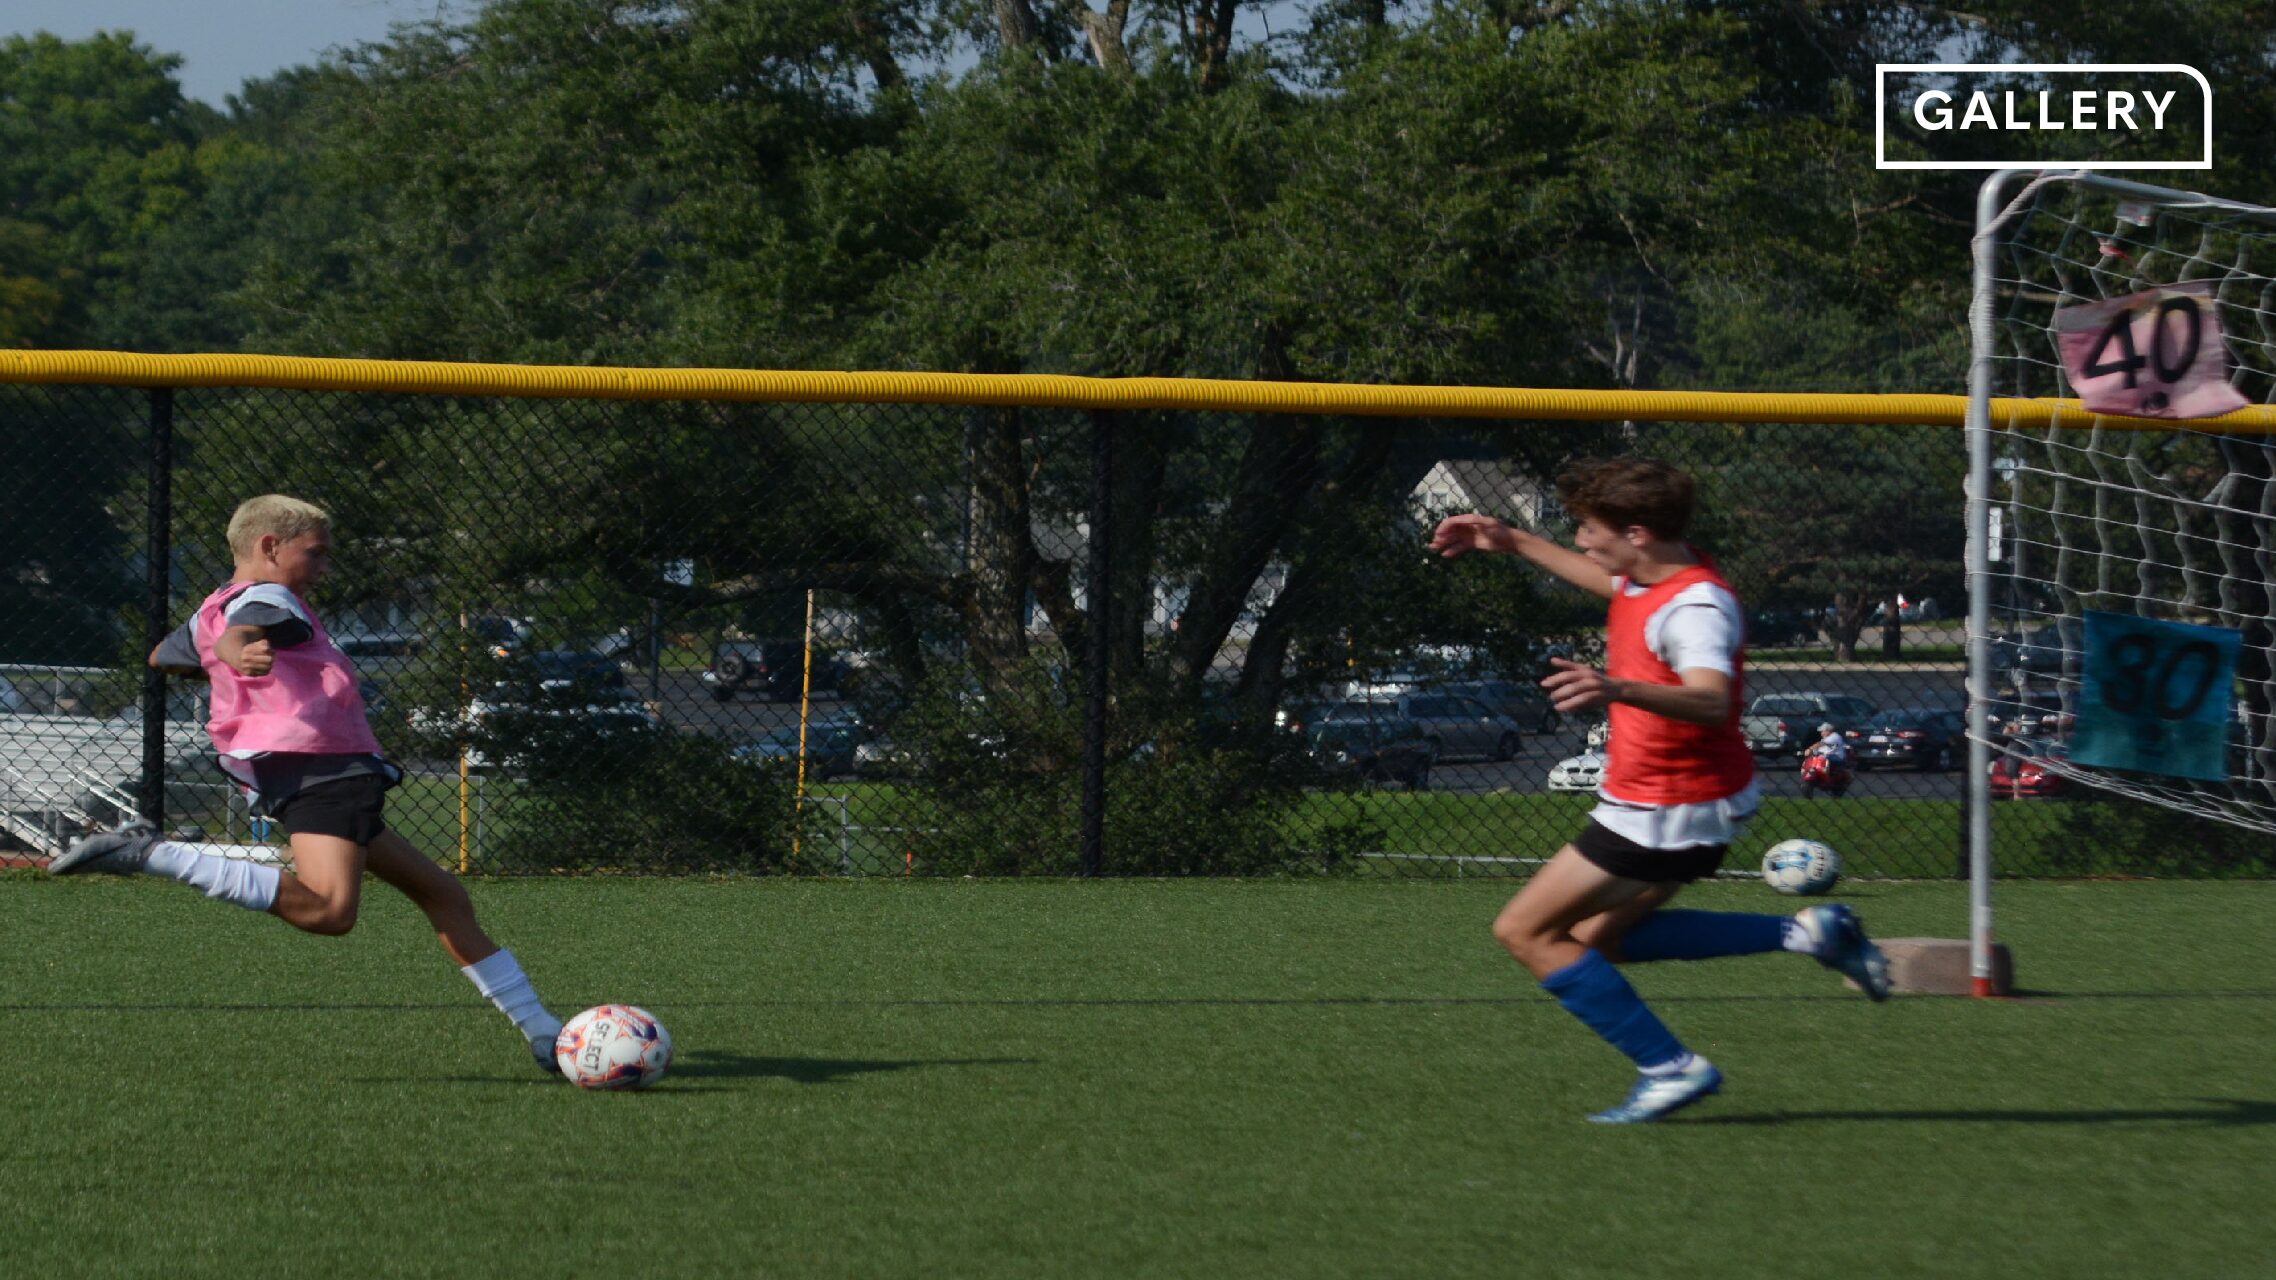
[288, 722]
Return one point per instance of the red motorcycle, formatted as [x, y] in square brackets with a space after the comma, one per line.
[1821, 772]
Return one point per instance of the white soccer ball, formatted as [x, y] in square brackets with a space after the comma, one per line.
[1801, 866]
[613, 1046]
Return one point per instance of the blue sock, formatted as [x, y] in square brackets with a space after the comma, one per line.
[1593, 991]
[1703, 935]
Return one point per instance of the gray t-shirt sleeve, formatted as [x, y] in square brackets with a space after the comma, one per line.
[272, 609]
[180, 647]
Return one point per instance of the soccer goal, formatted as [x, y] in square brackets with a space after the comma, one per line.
[2122, 502]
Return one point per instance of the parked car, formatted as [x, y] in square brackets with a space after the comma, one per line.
[2046, 648]
[544, 696]
[2034, 713]
[1917, 737]
[386, 643]
[1375, 686]
[1578, 773]
[504, 635]
[1775, 628]
[1456, 726]
[876, 756]
[1527, 704]
[1785, 723]
[1372, 747]
[2021, 773]
[832, 746]
[776, 669]
[1922, 610]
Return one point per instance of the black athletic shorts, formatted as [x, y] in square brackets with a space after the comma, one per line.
[1617, 854]
[348, 809]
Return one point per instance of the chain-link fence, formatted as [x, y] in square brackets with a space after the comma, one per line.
[846, 638]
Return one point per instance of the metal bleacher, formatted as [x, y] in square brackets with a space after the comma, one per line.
[63, 775]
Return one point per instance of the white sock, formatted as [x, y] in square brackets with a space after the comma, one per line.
[249, 884]
[1675, 1066]
[500, 979]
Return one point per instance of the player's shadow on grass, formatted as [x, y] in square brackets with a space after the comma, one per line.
[717, 1064]
[2215, 1113]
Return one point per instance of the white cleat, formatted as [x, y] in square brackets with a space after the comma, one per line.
[1840, 943]
[1656, 1096]
[117, 853]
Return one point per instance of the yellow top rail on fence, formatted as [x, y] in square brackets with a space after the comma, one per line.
[1037, 390]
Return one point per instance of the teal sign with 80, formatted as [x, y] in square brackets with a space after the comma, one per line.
[2156, 696]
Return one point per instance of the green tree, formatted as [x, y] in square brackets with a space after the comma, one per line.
[95, 154]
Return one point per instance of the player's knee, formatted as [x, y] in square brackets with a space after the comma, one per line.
[1517, 934]
[333, 920]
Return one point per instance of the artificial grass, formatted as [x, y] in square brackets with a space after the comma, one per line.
[1200, 1078]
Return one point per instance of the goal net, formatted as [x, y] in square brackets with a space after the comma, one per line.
[2124, 546]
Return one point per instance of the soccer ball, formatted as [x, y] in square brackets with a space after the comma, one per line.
[1801, 866]
[613, 1046]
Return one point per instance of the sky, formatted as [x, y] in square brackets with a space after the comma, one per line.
[223, 43]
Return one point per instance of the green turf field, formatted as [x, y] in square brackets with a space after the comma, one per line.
[1203, 1079]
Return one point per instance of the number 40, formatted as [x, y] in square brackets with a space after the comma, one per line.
[2169, 366]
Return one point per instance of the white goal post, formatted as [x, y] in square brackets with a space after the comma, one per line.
[2122, 538]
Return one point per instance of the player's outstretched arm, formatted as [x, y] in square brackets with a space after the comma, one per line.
[177, 654]
[1457, 535]
[157, 663]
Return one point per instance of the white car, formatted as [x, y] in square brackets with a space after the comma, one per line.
[1578, 773]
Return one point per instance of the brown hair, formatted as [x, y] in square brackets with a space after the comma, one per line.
[1629, 491]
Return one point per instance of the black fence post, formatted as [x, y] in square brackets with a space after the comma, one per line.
[158, 548]
[1098, 650]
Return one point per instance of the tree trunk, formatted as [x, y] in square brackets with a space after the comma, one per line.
[1355, 481]
[1213, 40]
[875, 47]
[1892, 629]
[998, 549]
[1847, 623]
[1141, 460]
[1015, 23]
[1277, 471]
[1104, 31]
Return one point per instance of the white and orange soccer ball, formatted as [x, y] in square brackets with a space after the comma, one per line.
[613, 1046]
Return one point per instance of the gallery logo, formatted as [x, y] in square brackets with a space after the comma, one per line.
[2085, 115]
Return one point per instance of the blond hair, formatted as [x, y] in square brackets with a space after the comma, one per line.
[288, 518]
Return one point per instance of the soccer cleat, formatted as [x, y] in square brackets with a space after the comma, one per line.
[542, 1051]
[1656, 1096]
[1840, 943]
[118, 853]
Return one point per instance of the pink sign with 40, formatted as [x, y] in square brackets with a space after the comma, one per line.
[2154, 354]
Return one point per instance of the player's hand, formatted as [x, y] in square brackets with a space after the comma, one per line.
[1573, 687]
[254, 658]
[1457, 534]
